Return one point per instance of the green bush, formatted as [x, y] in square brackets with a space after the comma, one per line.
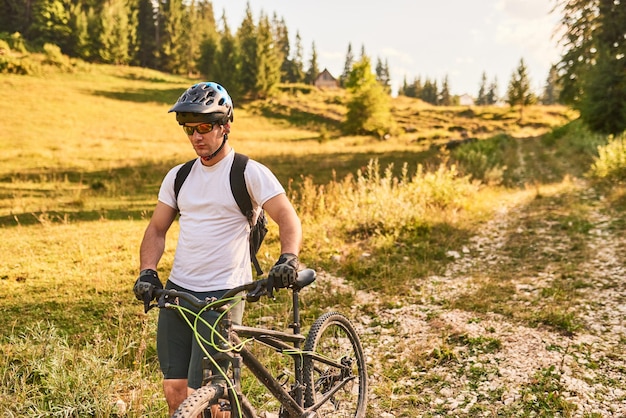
[483, 159]
[54, 57]
[12, 63]
[611, 161]
[15, 41]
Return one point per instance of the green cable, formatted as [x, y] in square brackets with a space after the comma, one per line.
[212, 343]
[228, 346]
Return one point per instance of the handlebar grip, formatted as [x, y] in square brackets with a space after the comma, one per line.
[255, 294]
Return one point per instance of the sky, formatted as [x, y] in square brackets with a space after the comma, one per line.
[460, 39]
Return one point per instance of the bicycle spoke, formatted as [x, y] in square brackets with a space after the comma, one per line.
[341, 387]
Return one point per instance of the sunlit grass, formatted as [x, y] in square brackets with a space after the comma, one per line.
[81, 160]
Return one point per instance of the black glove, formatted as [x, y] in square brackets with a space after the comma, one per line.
[283, 274]
[144, 286]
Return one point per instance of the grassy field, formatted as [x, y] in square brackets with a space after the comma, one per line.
[81, 159]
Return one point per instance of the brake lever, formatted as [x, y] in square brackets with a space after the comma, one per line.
[255, 294]
[146, 303]
[161, 302]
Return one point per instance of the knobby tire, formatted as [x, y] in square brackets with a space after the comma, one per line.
[199, 401]
[333, 336]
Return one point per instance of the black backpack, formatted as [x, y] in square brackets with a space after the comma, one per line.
[241, 195]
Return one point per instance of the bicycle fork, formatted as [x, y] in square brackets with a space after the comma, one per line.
[238, 402]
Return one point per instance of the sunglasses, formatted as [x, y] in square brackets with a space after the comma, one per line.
[203, 128]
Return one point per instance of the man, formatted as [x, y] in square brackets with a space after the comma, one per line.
[212, 254]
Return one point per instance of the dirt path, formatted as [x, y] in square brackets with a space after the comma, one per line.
[427, 359]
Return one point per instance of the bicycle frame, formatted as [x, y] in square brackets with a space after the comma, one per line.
[275, 339]
[278, 340]
[281, 342]
[284, 342]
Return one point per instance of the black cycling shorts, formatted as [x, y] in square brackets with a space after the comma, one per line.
[179, 352]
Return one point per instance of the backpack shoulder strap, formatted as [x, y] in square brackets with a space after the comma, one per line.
[242, 197]
[181, 176]
[238, 185]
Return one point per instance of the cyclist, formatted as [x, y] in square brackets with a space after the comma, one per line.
[212, 253]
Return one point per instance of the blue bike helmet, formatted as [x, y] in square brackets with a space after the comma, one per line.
[204, 102]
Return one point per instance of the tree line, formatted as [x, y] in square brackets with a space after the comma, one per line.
[592, 69]
[519, 91]
[183, 37]
[174, 36]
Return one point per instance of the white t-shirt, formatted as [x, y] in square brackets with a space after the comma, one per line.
[213, 252]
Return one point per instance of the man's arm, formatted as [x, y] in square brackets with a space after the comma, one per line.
[289, 227]
[153, 243]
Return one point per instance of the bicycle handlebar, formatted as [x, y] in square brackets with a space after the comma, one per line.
[254, 290]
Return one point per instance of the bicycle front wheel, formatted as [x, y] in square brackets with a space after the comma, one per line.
[339, 368]
[199, 401]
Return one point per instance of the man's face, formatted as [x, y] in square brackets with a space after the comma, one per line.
[205, 137]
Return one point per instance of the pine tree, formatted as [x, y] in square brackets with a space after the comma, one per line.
[80, 43]
[115, 33]
[296, 68]
[552, 88]
[382, 75]
[369, 105]
[579, 17]
[173, 35]
[313, 70]
[16, 16]
[282, 46]
[269, 60]
[194, 20]
[50, 23]
[363, 53]
[518, 92]
[603, 107]
[412, 90]
[132, 31]
[593, 67]
[226, 65]
[403, 88]
[246, 39]
[417, 87]
[146, 35]
[203, 37]
[492, 93]
[445, 98]
[347, 66]
[429, 92]
[481, 99]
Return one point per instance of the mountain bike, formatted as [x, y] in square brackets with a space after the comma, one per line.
[329, 376]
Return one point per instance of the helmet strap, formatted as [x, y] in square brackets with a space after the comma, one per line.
[210, 157]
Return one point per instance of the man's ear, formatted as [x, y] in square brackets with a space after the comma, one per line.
[226, 128]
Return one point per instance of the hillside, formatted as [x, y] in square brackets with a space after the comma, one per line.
[481, 264]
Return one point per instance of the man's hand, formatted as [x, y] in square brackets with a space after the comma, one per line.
[283, 274]
[147, 281]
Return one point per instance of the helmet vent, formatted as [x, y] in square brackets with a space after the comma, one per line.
[205, 98]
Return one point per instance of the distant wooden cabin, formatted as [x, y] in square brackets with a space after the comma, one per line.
[325, 80]
[466, 100]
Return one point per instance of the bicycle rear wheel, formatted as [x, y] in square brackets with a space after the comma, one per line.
[199, 401]
[333, 337]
